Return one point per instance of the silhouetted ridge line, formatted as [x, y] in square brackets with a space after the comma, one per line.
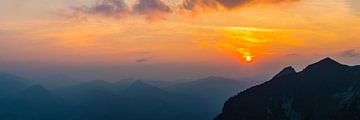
[141, 85]
[326, 63]
[325, 90]
[286, 71]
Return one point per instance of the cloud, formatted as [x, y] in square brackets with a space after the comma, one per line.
[145, 6]
[151, 9]
[227, 4]
[230, 4]
[349, 53]
[196, 4]
[157, 9]
[112, 8]
[142, 60]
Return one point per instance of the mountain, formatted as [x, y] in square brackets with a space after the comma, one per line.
[136, 101]
[163, 84]
[38, 94]
[326, 90]
[10, 84]
[143, 101]
[128, 99]
[286, 71]
[214, 90]
[141, 89]
[55, 81]
[33, 103]
[87, 92]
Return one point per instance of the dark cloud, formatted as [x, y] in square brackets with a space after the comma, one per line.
[228, 4]
[350, 53]
[152, 9]
[157, 9]
[113, 8]
[235, 3]
[142, 60]
[193, 4]
[145, 6]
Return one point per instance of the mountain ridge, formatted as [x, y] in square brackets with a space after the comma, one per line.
[308, 94]
[286, 71]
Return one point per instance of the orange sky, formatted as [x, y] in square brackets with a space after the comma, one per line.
[176, 43]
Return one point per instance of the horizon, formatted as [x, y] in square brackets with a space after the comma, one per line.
[249, 79]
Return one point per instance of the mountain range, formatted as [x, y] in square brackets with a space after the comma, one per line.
[326, 90]
[130, 99]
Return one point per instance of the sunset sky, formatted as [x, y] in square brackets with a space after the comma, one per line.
[174, 39]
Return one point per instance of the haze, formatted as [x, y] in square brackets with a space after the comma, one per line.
[173, 40]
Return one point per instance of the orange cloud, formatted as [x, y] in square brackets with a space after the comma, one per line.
[151, 9]
[227, 4]
[158, 9]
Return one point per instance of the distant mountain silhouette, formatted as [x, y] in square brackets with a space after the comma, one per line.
[214, 90]
[326, 90]
[142, 89]
[135, 101]
[38, 94]
[85, 93]
[33, 103]
[11, 84]
[128, 99]
[146, 102]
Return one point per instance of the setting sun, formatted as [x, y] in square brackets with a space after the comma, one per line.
[248, 58]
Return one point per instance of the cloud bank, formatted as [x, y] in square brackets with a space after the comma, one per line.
[227, 4]
[151, 9]
[157, 9]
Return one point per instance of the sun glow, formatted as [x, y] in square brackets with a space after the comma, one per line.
[248, 58]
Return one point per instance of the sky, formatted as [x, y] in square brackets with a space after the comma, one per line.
[174, 39]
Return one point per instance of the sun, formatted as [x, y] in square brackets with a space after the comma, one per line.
[248, 58]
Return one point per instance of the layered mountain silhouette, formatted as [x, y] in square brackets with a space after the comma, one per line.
[138, 101]
[214, 90]
[130, 99]
[10, 84]
[326, 90]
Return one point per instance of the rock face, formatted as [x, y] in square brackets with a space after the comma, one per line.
[326, 90]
